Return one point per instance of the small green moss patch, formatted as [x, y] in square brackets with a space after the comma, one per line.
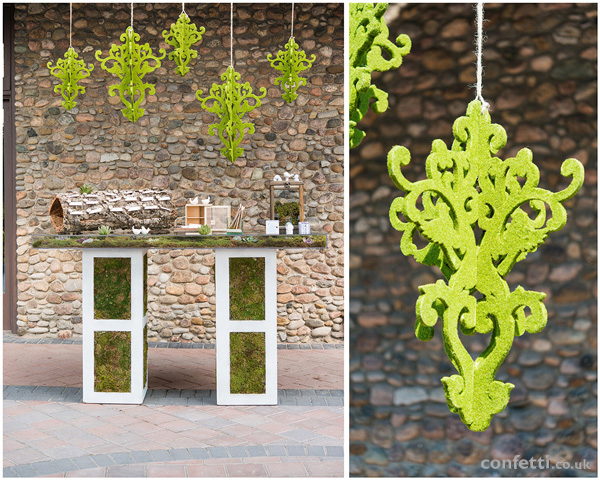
[112, 361]
[248, 363]
[247, 288]
[112, 288]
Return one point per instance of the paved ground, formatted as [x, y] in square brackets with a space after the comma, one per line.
[60, 436]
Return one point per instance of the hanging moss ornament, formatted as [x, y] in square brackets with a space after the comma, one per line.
[368, 37]
[470, 212]
[70, 70]
[181, 37]
[291, 62]
[130, 63]
[230, 101]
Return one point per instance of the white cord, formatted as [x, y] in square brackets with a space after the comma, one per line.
[183, 9]
[70, 23]
[479, 52]
[231, 41]
[132, 15]
[292, 35]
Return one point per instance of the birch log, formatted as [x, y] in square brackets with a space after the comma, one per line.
[119, 209]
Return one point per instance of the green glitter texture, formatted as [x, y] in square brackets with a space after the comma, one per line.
[230, 101]
[368, 37]
[181, 37]
[290, 62]
[70, 70]
[472, 211]
[130, 63]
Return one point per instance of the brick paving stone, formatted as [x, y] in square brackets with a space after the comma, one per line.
[276, 450]
[83, 462]
[292, 469]
[256, 450]
[161, 455]
[64, 465]
[176, 471]
[296, 450]
[237, 451]
[199, 453]
[207, 471]
[97, 472]
[246, 470]
[24, 470]
[141, 456]
[122, 458]
[103, 460]
[316, 450]
[218, 452]
[180, 454]
[126, 471]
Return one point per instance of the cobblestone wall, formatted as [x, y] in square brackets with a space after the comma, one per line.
[540, 79]
[170, 148]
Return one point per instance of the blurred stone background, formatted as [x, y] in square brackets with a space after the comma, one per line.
[541, 81]
[169, 147]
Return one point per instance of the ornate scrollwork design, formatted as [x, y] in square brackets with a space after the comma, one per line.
[368, 37]
[467, 189]
[230, 101]
[291, 62]
[181, 36]
[70, 70]
[130, 63]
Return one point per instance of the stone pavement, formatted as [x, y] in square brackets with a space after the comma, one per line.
[60, 436]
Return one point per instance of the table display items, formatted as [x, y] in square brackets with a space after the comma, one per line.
[77, 212]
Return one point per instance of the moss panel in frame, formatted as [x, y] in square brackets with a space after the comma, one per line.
[247, 288]
[112, 361]
[112, 288]
[247, 362]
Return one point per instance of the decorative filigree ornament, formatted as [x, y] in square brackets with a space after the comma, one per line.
[230, 103]
[473, 211]
[291, 62]
[181, 37]
[368, 36]
[70, 70]
[131, 63]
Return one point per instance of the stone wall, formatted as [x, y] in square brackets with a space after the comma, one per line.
[540, 78]
[169, 147]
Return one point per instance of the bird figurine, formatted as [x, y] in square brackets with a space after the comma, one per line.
[136, 231]
[297, 177]
[277, 178]
[287, 176]
[145, 230]
[206, 201]
[194, 201]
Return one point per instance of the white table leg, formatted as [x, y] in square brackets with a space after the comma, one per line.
[251, 331]
[122, 338]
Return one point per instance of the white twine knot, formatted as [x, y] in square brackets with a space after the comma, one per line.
[479, 52]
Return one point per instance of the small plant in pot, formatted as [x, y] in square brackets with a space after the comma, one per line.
[204, 230]
[104, 230]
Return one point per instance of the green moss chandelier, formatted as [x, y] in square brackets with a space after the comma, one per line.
[182, 35]
[70, 70]
[472, 210]
[230, 102]
[368, 37]
[130, 63]
[291, 62]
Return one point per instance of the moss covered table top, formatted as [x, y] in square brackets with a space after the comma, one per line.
[180, 241]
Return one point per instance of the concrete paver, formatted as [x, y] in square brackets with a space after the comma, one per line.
[44, 436]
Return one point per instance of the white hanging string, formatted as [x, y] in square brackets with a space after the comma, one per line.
[231, 40]
[292, 35]
[70, 23]
[479, 52]
[183, 9]
[132, 15]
